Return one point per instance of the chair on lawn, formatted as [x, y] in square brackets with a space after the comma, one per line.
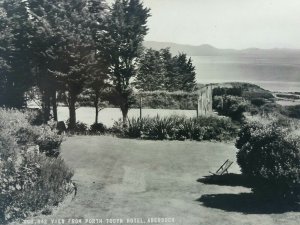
[223, 169]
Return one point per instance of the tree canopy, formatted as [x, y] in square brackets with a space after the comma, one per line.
[121, 44]
[76, 48]
[159, 70]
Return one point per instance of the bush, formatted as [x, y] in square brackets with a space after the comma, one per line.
[31, 184]
[179, 128]
[258, 102]
[231, 106]
[98, 128]
[270, 155]
[80, 128]
[35, 116]
[234, 91]
[29, 180]
[17, 125]
[49, 141]
[292, 111]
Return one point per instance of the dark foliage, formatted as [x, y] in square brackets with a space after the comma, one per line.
[231, 106]
[160, 71]
[292, 111]
[179, 128]
[269, 154]
[234, 91]
[98, 128]
[120, 44]
[258, 101]
[79, 128]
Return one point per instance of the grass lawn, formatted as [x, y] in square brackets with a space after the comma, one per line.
[123, 178]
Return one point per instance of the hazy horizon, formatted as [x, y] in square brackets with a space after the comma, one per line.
[217, 47]
[230, 24]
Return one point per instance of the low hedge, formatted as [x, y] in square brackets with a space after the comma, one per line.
[178, 128]
[166, 100]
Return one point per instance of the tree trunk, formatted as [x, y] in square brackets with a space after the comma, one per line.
[96, 105]
[72, 113]
[54, 105]
[124, 108]
[46, 106]
[96, 112]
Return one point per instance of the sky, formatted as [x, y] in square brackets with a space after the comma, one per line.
[234, 24]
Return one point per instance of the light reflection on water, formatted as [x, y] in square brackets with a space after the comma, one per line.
[274, 74]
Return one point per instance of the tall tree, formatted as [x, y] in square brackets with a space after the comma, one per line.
[5, 45]
[185, 73]
[66, 44]
[151, 71]
[44, 17]
[159, 70]
[15, 52]
[121, 45]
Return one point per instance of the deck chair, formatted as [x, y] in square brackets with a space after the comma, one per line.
[223, 169]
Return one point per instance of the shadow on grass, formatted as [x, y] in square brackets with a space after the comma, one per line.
[247, 203]
[229, 179]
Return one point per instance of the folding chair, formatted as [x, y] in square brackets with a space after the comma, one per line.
[223, 169]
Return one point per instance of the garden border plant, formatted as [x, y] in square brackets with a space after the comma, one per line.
[178, 128]
[33, 176]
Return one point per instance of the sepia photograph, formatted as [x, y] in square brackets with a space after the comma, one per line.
[166, 112]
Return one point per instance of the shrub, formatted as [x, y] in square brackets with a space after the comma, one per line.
[258, 102]
[98, 128]
[117, 128]
[231, 106]
[29, 180]
[234, 91]
[17, 125]
[31, 184]
[179, 128]
[35, 116]
[270, 155]
[134, 129]
[80, 128]
[292, 111]
[49, 141]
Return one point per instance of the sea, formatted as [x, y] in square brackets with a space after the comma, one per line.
[277, 74]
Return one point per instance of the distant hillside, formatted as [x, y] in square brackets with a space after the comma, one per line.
[208, 50]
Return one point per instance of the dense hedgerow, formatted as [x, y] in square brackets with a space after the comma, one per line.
[166, 100]
[231, 106]
[269, 154]
[179, 128]
[29, 179]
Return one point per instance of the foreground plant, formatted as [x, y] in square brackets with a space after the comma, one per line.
[269, 154]
[30, 180]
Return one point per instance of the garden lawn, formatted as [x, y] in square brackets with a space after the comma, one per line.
[124, 178]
